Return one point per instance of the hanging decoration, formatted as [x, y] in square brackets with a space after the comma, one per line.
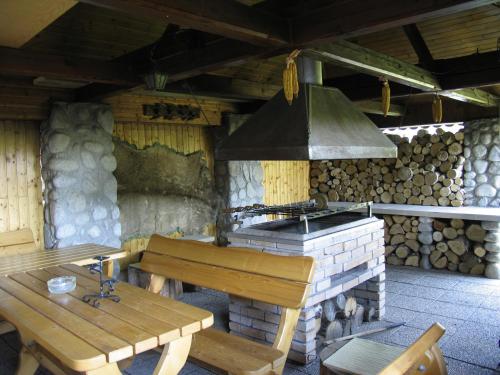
[386, 96]
[170, 111]
[437, 109]
[290, 77]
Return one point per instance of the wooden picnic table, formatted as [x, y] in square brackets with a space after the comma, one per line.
[79, 254]
[67, 335]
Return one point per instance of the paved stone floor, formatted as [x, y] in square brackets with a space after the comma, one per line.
[468, 307]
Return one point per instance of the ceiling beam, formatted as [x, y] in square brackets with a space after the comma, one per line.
[188, 63]
[418, 114]
[222, 17]
[425, 58]
[477, 70]
[345, 19]
[376, 64]
[24, 63]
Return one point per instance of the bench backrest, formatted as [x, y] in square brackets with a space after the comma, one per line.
[17, 242]
[275, 279]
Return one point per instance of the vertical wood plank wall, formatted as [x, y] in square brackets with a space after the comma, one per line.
[181, 138]
[20, 181]
[285, 181]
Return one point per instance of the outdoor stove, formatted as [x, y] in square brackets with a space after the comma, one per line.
[348, 246]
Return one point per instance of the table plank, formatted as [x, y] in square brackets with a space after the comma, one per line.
[80, 254]
[69, 349]
[113, 348]
[163, 331]
[139, 339]
[153, 300]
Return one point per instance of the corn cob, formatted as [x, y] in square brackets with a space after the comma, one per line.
[290, 79]
[437, 109]
[386, 97]
[295, 80]
[287, 84]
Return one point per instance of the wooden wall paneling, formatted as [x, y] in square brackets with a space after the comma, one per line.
[20, 187]
[128, 107]
[285, 181]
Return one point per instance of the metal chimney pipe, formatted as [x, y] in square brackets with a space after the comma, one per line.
[309, 70]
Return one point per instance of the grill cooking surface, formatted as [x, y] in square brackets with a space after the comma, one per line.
[295, 226]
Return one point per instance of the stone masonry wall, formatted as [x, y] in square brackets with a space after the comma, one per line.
[238, 183]
[77, 168]
[482, 165]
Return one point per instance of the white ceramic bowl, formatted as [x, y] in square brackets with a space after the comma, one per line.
[60, 285]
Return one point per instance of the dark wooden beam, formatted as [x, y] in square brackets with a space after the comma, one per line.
[347, 18]
[186, 64]
[421, 114]
[477, 70]
[222, 17]
[464, 72]
[425, 58]
[23, 63]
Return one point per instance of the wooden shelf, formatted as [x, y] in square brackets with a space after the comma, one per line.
[466, 213]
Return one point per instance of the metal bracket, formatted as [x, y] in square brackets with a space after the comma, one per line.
[106, 287]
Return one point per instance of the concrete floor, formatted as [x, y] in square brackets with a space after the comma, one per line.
[468, 307]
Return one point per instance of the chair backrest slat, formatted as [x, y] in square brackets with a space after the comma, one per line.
[423, 352]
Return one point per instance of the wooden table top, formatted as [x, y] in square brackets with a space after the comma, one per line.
[83, 337]
[79, 254]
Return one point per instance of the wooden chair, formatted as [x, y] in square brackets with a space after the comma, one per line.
[11, 243]
[366, 357]
[274, 279]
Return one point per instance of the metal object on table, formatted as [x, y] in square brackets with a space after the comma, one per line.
[303, 211]
[106, 286]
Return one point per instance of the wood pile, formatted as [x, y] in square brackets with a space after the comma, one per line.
[401, 239]
[342, 315]
[428, 171]
[435, 243]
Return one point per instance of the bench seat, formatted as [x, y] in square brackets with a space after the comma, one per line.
[235, 354]
[284, 281]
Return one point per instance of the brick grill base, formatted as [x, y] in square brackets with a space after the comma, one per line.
[350, 261]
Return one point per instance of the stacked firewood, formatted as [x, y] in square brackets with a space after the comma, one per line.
[342, 315]
[428, 171]
[401, 239]
[435, 243]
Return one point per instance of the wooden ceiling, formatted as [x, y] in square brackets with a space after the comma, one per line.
[252, 38]
[97, 33]
[461, 34]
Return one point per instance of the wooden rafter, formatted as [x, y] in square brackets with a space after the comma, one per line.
[223, 17]
[342, 19]
[377, 64]
[425, 58]
[30, 64]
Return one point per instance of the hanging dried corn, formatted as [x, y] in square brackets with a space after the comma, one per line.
[290, 78]
[386, 97]
[437, 109]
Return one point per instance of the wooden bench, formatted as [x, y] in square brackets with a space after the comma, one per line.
[12, 243]
[274, 279]
[17, 242]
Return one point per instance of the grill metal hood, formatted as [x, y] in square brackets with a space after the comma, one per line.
[322, 123]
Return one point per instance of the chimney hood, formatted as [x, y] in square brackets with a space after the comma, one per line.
[322, 123]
